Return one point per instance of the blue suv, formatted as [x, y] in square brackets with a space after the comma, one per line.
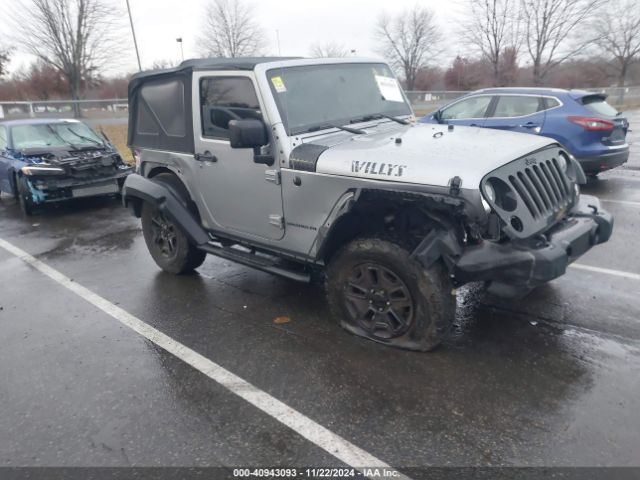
[583, 122]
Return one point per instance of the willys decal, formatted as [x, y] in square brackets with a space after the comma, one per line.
[375, 168]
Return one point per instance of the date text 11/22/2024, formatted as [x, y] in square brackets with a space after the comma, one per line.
[280, 472]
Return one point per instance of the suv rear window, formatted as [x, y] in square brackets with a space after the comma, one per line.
[599, 105]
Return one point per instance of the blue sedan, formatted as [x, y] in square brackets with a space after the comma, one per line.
[47, 160]
[583, 122]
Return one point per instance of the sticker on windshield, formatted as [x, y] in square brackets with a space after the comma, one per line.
[389, 88]
[278, 84]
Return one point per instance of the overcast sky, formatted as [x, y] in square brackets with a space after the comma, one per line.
[300, 24]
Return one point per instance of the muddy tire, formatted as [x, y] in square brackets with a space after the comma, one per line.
[24, 196]
[377, 291]
[168, 245]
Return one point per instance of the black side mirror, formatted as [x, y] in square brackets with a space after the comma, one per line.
[247, 133]
[437, 116]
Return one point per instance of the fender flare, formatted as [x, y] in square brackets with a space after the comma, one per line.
[441, 242]
[138, 189]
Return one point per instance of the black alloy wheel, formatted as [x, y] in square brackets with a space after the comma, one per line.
[379, 301]
[164, 235]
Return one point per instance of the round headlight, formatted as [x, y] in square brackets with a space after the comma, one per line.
[562, 162]
[500, 194]
[489, 192]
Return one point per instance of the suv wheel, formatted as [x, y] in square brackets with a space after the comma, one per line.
[379, 292]
[169, 247]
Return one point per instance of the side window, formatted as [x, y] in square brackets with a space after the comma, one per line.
[517, 106]
[223, 99]
[3, 138]
[474, 107]
[551, 102]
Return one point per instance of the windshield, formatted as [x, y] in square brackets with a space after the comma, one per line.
[53, 135]
[322, 95]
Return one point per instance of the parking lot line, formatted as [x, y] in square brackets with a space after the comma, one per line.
[620, 177]
[622, 202]
[608, 271]
[334, 444]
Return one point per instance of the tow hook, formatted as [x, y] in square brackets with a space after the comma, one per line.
[594, 208]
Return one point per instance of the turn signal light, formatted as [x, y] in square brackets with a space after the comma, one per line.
[592, 124]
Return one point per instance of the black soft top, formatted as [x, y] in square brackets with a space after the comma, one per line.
[160, 111]
[195, 64]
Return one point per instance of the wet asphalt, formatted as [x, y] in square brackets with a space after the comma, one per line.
[549, 380]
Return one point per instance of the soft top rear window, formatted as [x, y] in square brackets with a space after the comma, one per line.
[598, 104]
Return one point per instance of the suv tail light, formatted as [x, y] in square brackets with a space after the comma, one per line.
[592, 124]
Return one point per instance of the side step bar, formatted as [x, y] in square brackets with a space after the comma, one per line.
[252, 260]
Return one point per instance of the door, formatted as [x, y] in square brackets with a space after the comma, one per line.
[517, 113]
[240, 196]
[471, 111]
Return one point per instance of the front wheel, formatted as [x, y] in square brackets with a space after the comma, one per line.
[24, 196]
[378, 291]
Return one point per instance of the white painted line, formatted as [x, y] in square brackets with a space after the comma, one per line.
[608, 271]
[334, 444]
[621, 177]
[622, 202]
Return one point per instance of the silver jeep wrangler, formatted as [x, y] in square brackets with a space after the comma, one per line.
[315, 170]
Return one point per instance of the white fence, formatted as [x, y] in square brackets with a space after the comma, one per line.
[117, 108]
[110, 108]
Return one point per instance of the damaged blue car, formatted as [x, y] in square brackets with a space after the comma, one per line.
[50, 160]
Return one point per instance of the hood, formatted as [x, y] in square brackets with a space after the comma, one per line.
[62, 156]
[424, 154]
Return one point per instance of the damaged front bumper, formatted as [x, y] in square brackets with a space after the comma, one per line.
[55, 188]
[514, 268]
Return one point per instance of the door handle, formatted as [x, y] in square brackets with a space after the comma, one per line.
[207, 156]
[529, 125]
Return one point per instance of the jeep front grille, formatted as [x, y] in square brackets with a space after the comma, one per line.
[544, 188]
[531, 193]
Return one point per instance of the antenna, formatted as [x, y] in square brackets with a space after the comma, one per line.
[278, 42]
[133, 32]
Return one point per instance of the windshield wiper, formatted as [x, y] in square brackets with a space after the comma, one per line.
[91, 140]
[60, 137]
[401, 121]
[378, 116]
[355, 131]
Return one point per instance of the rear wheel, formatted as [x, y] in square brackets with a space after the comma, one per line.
[168, 245]
[377, 291]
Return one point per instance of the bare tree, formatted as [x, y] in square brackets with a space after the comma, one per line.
[163, 63]
[230, 30]
[493, 28]
[618, 32]
[76, 37]
[550, 31]
[328, 49]
[5, 56]
[409, 41]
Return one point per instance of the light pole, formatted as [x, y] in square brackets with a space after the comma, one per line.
[133, 32]
[179, 40]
